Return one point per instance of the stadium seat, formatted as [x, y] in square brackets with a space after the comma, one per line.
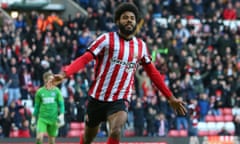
[77, 125]
[202, 129]
[14, 134]
[236, 111]
[183, 133]
[27, 103]
[24, 133]
[21, 111]
[5, 97]
[212, 129]
[227, 111]
[219, 126]
[202, 133]
[173, 133]
[230, 127]
[210, 118]
[219, 118]
[228, 118]
[202, 126]
[213, 132]
[129, 133]
[19, 102]
[75, 133]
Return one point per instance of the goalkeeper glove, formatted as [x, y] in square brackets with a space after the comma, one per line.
[33, 123]
[61, 121]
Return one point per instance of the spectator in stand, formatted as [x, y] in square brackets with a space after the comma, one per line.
[181, 121]
[161, 125]
[13, 86]
[193, 111]
[36, 70]
[151, 112]
[24, 131]
[6, 120]
[163, 105]
[63, 49]
[138, 112]
[84, 3]
[79, 19]
[236, 121]
[1, 132]
[71, 113]
[53, 22]
[41, 22]
[229, 13]
[91, 20]
[17, 118]
[237, 5]
[198, 8]
[3, 88]
[187, 88]
[204, 106]
[223, 132]
[25, 82]
[214, 109]
[187, 8]
[20, 22]
[80, 98]
[156, 9]
[144, 83]
[83, 41]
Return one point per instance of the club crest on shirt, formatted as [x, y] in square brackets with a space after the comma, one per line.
[53, 94]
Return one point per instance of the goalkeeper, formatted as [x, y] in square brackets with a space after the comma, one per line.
[48, 111]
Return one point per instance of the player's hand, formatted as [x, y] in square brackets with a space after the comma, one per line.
[33, 123]
[61, 121]
[177, 105]
[57, 79]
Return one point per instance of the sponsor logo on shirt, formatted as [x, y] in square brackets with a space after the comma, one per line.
[48, 100]
[130, 66]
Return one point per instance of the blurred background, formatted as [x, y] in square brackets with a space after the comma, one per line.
[195, 45]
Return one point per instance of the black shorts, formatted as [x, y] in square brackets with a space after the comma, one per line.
[98, 111]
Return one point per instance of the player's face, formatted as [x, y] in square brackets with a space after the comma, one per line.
[49, 78]
[127, 23]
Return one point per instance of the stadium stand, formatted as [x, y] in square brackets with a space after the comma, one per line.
[194, 45]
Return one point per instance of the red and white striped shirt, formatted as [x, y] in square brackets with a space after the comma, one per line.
[116, 62]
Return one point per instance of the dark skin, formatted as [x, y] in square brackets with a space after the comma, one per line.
[127, 22]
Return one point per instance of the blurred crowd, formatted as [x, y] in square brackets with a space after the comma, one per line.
[201, 66]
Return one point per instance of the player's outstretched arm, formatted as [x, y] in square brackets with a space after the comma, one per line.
[156, 77]
[74, 67]
[177, 105]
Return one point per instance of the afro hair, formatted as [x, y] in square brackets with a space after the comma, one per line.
[126, 6]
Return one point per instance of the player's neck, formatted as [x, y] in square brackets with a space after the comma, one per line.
[125, 37]
[49, 87]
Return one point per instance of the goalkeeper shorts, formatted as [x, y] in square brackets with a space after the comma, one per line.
[45, 127]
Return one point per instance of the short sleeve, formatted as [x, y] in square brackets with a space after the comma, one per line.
[146, 58]
[96, 46]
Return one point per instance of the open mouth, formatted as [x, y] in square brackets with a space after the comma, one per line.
[129, 26]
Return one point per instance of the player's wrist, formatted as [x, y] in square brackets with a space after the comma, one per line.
[33, 120]
[64, 75]
[61, 121]
[171, 98]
